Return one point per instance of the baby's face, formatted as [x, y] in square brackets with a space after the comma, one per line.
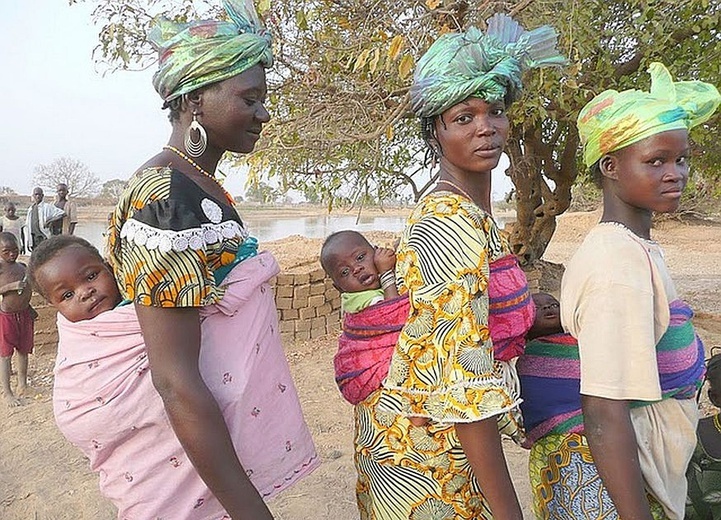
[548, 312]
[78, 284]
[352, 268]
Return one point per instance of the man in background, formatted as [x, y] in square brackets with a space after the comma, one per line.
[38, 220]
[66, 225]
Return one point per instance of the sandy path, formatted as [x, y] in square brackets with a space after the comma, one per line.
[42, 477]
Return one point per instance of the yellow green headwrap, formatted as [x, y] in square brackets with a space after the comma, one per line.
[489, 66]
[613, 120]
[191, 55]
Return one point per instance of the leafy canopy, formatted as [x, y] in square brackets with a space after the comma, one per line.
[338, 92]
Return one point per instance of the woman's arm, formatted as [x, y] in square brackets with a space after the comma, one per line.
[614, 448]
[481, 443]
[172, 338]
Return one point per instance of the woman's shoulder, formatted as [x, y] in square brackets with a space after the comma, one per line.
[444, 217]
[609, 243]
[445, 205]
[152, 179]
[608, 256]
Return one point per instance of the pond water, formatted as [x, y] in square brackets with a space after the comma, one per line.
[267, 229]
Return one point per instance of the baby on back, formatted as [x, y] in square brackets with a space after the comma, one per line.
[373, 312]
[72, 276]
[362, 273]
[549, 374]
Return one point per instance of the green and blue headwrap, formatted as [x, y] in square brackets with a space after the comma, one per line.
[192, 55]
[488, 66]
[614, 120]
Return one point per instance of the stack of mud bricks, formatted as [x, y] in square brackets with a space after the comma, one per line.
[308, 304]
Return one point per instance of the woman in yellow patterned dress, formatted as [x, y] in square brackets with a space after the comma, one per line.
[443, 374]
[184, 258]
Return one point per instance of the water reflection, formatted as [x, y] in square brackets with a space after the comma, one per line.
[267, 229]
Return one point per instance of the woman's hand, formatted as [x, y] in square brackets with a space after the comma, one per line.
[481, 443]
[612, 440]
[172, 339]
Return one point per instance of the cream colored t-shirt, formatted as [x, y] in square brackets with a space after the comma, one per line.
[615, 297]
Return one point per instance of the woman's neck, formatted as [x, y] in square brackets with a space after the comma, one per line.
[635, 219]
[476, 186]
[208, 161]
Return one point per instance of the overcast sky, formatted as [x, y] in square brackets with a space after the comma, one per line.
[56, 103]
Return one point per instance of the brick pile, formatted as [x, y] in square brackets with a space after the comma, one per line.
[308, 304]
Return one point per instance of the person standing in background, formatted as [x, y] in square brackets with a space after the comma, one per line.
[12, 224]
[65, 226]
[37, 222]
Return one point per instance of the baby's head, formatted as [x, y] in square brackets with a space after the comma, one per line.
[347, 257]
[548, 316]
[713, 377]
[73, 277]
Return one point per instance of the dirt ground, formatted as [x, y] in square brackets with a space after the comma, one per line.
[42, 477]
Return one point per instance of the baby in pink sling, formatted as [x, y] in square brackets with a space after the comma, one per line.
[105, 402]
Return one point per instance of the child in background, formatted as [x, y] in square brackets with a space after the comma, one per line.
[704, 471]
[16, 319]
[13, 224]
[373, 312]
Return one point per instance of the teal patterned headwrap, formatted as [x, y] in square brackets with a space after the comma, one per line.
[192, 55]
[488, 66]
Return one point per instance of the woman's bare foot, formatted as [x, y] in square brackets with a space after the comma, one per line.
[11, 400]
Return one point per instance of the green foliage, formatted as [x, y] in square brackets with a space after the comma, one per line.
[262, 193]
[338, 92]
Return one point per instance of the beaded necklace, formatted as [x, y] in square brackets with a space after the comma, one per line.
[195, 165]
[458, 188]
[625, 227]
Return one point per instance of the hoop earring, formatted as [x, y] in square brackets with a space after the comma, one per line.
[195, 148]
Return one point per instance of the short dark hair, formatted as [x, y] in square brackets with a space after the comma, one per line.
[48, 249]
[8, 238]
[332, 239]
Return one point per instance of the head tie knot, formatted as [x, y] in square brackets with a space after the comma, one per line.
[486, 65]
[613, 120]
[192, 55]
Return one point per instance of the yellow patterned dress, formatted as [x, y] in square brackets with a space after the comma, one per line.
[182, 239]
[442, 369]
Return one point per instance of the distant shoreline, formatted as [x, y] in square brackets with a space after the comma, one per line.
[252, 212]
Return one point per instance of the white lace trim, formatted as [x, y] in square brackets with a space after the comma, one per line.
[166, 240]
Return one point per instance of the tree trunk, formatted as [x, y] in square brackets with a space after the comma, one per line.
[539, 202]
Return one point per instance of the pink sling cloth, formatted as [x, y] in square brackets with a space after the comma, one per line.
[366, 346]
[511, 310]
[105, 403]
[369, 336]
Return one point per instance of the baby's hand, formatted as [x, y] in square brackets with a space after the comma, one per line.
[384, 259]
